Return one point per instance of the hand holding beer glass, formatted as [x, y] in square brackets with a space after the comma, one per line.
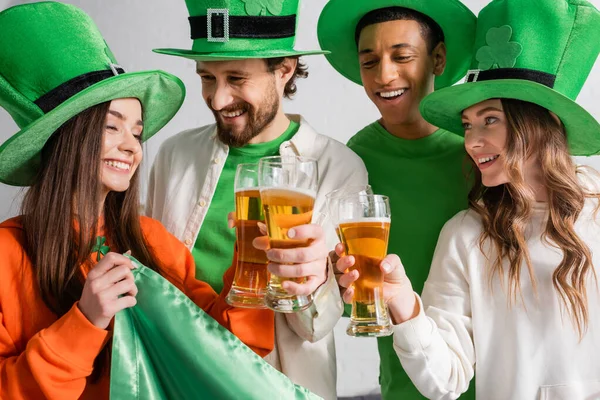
[250, 281]
[288, 187]
[364, 226]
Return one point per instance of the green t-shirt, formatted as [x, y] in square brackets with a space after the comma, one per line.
[213, 250]
[426, 182]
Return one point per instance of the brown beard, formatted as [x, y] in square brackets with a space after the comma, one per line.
[258, 119]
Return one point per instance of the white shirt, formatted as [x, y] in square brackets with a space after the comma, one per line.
[524, 351]
[182, 184]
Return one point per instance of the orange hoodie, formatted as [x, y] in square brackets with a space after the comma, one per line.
[45, 357]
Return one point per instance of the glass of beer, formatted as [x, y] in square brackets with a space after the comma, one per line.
[364, 224]
[333, 201]
[288, 187]
[251, 276]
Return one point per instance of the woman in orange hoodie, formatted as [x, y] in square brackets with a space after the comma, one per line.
[63, 275]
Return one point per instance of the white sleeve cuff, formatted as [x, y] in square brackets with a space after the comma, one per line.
[415, 334]
[319, 319]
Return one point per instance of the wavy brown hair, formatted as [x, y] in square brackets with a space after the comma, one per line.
[506, 210]
[60, 213]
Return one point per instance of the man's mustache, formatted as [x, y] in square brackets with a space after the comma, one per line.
[231, 108]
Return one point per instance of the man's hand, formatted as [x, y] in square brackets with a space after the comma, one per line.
[308, 262]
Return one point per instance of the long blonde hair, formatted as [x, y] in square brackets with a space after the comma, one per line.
[506, 210]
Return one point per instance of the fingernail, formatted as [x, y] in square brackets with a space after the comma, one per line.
[128, 252]
[386, 267]
[291, 233]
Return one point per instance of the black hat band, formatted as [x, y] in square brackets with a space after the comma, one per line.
[65, 91]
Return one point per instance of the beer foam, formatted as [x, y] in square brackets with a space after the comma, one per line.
[305, 192]
[366, 220]
[247, 189]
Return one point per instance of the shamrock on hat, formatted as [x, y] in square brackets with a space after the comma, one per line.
[500, 51]
[260, 7]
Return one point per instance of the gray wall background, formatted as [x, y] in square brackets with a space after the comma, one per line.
[333, 105]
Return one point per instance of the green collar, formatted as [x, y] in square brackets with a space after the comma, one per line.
[260, 149]
[433, 145]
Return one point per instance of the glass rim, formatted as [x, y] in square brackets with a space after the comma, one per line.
[247, 165]
[331, 195]
[279, 160]
[244, 171]
[377, 203]
[378, 197]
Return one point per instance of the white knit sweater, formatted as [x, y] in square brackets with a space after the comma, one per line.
[527, 351]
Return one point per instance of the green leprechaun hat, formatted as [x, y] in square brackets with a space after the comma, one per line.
[539, 51]
[55, 64]
[337, 28]
[239, 29]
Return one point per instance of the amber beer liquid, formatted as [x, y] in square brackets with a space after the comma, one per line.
[367, 240]
[285, 209]
[251, 276]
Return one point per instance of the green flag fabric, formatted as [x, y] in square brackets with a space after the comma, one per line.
[166, 347]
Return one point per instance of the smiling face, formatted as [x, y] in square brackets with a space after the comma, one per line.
[244, 96]
[510, 140]
[397, 69]
[121, 144]
[486, 134]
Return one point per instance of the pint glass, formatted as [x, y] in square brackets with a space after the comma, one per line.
[364, 224]
[251, 276]
[288, 187]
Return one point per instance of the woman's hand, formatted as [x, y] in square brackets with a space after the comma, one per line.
[105, 283]
[397, 289]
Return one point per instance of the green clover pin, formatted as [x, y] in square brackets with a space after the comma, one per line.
[260, 7]
[100, 248]
[500, 51]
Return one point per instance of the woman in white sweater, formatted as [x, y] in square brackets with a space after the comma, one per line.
[512, 295]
